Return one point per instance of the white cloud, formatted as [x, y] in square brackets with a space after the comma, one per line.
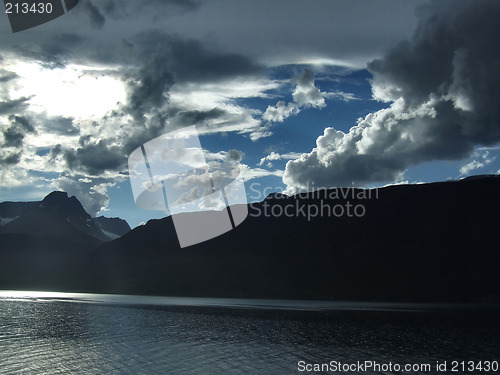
[188, 196]
[280, 112]
[248, 173]
[260, 132]
[340, 95]
[481, 160]
[277, 156]
[305, 95]
[206, 97]
[470, 167]
[17, 177]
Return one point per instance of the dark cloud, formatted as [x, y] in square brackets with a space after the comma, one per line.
[13, 106]
[213, 120]
[277, 32]
[148, 89]
[196, 117]
[291, 31]
[74, 37]
[96, 158]
[13, 135]
[144, 132]
[7, 76]
[53, 52]
[55, 152]
[167, 60]
[60, 126]
[7, 158]
[443, 85]
[118, 9]
[97, 20]
[22, 123]
[235, 155]
[191, 61]
[13, 138]
[194, 63]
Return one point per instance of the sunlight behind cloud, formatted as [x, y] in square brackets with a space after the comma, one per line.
[74, 91]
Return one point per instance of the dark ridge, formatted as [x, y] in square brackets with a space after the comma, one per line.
[15, 209]
[113, 225]
[414, 243]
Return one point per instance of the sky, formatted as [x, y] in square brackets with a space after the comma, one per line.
[302, 94]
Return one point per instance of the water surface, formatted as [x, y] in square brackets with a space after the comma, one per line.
[47, 333]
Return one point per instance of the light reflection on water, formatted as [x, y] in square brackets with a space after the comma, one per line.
[42, 334]
[223, 302]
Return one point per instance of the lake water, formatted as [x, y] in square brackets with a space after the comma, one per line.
[59, 333]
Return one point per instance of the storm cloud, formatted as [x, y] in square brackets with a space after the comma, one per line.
[96, 158]
[149, 87]
[443, 88]
[13, 138]
[13, 106]
[191, 60]
[97, 20]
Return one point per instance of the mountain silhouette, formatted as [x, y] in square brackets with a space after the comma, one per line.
[58, 216]
[417, 243]
[47, 241]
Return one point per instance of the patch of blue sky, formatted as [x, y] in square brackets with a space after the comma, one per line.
[433, 171]
[43, 174]
[42, 151]
[217, 142]
[298, 133]
[24, 193]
